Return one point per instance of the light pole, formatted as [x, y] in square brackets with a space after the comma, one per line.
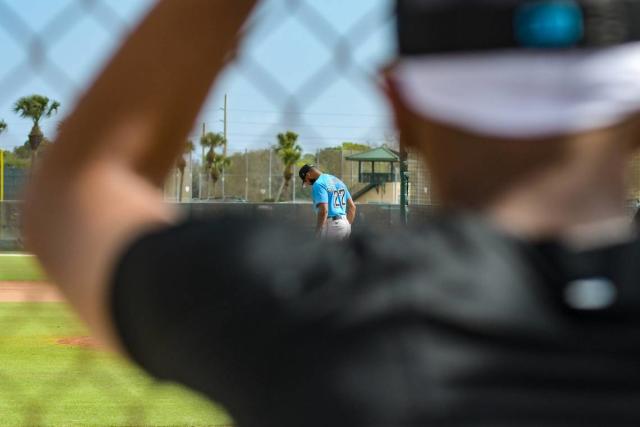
[224, 149]
[404, 186]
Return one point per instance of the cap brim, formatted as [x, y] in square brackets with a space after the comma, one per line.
[516, 94]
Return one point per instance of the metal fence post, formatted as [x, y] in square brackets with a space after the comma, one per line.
[222, 190]
[246, 175]
[270, 173]
[404, 186]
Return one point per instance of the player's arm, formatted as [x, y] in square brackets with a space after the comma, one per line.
[351, 210]
[321, 200]
[321, 216]
[99, 185]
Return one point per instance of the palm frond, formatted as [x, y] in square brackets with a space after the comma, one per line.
[212, 140]
[220, 162]
[35, 107]
[287, 149]
[53, 108]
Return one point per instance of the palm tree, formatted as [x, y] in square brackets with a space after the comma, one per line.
[215, 165]
[182, 164]
[289, 152]
[212, 164]
[35, 107]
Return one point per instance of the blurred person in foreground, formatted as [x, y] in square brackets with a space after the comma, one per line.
[518, 304]
[332, 203]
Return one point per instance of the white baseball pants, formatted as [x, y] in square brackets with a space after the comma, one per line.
[336, 229]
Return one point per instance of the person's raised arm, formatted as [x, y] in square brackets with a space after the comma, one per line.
[99, 184]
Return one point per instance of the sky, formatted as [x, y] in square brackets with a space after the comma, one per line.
[306, 65]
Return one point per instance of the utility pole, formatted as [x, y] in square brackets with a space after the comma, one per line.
[201, 165]
[224, 152]
[224, 149]
[404, 185]
[246, 175]
[190, 195]
[270, 153]
[177, 186]
[203, 133]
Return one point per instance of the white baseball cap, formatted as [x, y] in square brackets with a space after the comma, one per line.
[519, 68]
[524, 94]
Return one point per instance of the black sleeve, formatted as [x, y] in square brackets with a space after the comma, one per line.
[206, 303]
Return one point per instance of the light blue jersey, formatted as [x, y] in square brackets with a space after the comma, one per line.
[330, 190]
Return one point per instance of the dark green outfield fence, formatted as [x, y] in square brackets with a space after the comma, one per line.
[10, 236]
[298, 216]
[14, 181]
[301, 216]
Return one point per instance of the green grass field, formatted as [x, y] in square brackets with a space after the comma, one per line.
[19, 267]
[45, 383]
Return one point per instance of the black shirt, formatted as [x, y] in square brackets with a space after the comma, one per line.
[450, 324]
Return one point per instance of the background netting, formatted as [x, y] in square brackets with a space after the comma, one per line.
[307, 67]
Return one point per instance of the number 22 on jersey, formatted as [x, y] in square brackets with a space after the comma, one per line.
[339, 199]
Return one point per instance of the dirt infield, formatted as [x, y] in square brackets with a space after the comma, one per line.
[29, 292]
[84, 341]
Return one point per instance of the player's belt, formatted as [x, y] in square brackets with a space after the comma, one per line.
[337, 217]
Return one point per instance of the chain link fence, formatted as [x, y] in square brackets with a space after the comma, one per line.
[257, 176]
[308, 67]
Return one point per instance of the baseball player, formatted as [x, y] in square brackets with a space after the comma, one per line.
[332, 202]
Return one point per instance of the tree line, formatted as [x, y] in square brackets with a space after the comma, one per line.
[259, 175]
[213, 162]
[214, 148]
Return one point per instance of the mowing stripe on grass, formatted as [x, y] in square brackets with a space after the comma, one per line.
[20, 267]
[48, 384]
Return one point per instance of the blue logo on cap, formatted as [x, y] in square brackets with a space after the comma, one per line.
[549, 24]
